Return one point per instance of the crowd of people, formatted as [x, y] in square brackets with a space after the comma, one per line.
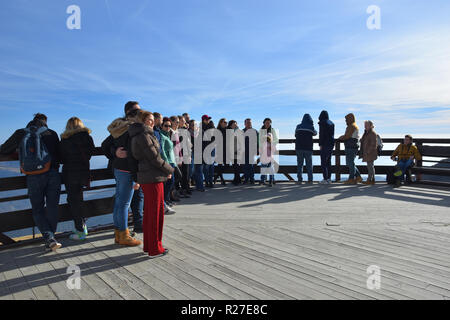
[155, 163]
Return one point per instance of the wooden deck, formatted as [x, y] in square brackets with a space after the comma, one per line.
[252, 242]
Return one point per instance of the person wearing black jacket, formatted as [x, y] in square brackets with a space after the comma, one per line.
[304, 147]
[249, 166]
[222, 163]
[77, 148]
[116, 149]
[208, 169]
[326, 143]
[43, 189]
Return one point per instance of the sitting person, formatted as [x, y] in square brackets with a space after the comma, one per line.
[405, 154]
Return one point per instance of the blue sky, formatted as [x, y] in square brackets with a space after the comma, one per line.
[227, 58]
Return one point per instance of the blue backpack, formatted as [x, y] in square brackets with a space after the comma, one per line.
[33, 154]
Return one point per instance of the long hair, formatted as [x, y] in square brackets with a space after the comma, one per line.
[74, 123]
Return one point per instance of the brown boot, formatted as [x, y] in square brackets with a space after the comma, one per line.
[116, 236]
[368, 182]
[126, 240]
[350, 181]
[358, 179]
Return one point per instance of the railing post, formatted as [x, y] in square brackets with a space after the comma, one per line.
[419, 162]
[337, 161]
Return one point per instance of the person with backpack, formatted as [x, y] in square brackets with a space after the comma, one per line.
[404, 154]
[369, 150]
[152, 173]
[39, 158]
[351, 142]
[77, 148]
[116, 149]
[326, 144]
[304, 134]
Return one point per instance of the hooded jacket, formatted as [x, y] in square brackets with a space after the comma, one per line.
[118, 137]
[49, 137]
[304, 134]
[326, 131]
[145, 149]
[351, 136]
[77, 148]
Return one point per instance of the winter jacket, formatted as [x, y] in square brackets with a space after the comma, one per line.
[224, 146]
[77, 148]
[351, 136]
[326, 131]
[369, 145]
[167, 153]
[49, 137]
[119, 137]
[304, 134]
[265, 147]
[175, 138]
[145, 148]
[404, 152]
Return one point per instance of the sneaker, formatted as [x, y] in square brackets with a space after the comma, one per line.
[85, 230]
[159, 255]
[77, 235]
[398, 173]
[168, 211]
[329, 181]
[324, 181]
[299, 182]
[54, 245]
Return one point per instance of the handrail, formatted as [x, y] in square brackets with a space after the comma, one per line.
[21, 219]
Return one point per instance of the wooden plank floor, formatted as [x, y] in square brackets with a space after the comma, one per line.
[253, 242]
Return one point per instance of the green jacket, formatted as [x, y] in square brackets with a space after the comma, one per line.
[167, 153]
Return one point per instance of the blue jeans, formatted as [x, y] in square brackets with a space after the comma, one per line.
[124, 194]
[325, 161]
[208, 171]
[198, 176]
[44, 191]
[404, 165]
[304, 156]
[137, 207]
[249, 172]
[350, 155]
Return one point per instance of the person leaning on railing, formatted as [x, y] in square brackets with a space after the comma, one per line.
[44, 185]
[405, 154]
[351, 143]
[326, 143]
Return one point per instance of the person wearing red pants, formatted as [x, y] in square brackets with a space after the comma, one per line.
[152, 173]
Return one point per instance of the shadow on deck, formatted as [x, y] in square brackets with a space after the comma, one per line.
[256, 242]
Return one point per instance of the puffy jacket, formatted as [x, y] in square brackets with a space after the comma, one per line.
[304, 134]
[50, 138]
[145, 148]
[77, 148]
[118, 137]
[369, 145]
[326, 131]
[404, 152]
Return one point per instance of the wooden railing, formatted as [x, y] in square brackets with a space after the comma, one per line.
[21, 219]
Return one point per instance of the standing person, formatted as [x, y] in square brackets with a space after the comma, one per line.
[77, 148]
[115, 147]
[267, 144]
[369, 150]
[326, 143]
[222, 163]
[187, 117]
[405, 153]
[193, 132]
[232, 125]
[208, 169]
[168, 156]
[185, 191]
[152, 173]
[175, 138]
[304, 134]
[249, 166]
[42, 173]
[351, 142]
